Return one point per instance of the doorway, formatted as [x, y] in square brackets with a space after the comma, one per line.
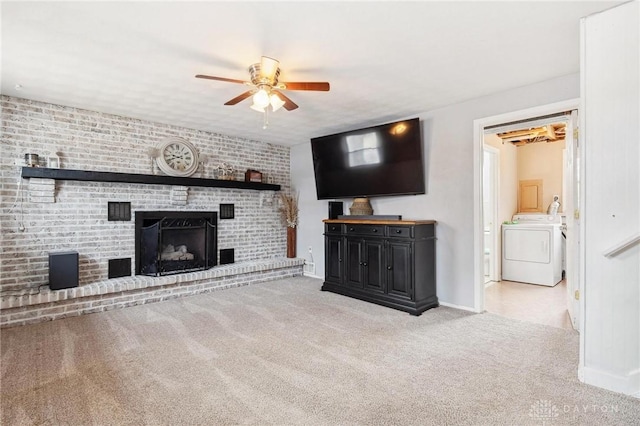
[498, 203]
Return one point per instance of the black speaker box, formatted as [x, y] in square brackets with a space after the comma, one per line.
[335, 209]
[63, 270]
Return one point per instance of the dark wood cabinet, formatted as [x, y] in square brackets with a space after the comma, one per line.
[399, 268]
[365, 263]
[391, 263]
[333, 254]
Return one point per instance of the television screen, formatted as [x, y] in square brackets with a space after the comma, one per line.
[376, 161]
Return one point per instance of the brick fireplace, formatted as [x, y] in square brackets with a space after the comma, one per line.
[40, 216]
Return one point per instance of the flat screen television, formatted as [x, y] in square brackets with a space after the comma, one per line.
[371, 162]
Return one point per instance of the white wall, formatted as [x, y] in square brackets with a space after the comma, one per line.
[611, 208]
[543, 161]
[448, 152]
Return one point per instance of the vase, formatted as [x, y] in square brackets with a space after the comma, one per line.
[291, 242]
[361, 207]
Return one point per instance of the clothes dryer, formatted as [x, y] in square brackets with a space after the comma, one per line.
[532, 249]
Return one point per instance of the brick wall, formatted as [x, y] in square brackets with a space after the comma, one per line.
[77, 220]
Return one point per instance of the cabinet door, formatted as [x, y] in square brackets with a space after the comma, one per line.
[374, 265]
[334, 265]
[354, 269]
[399, 276]
[530, 196]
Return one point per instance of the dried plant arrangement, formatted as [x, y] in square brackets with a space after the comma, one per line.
[289, 209]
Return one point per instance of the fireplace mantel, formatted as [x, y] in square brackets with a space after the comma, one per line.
[95, 176]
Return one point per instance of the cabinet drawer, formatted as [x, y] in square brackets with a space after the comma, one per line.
[334, 228]
[400, 231]
[365, 230]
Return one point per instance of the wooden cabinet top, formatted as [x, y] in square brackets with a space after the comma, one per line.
[380, 222]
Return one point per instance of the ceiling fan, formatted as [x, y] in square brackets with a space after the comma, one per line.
[266, 89]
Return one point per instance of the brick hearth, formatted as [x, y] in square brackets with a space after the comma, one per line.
[47, 305]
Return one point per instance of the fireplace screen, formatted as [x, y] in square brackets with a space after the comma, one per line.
[175, 242]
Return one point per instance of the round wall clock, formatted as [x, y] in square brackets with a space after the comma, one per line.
[177, 157]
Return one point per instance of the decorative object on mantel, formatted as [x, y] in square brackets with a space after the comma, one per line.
[153, 153]
[252, 176]
[53, 160]
[203, 160]
[289, 215]
[32, 160]
[226, 171]
[177, 156]
[361, 207]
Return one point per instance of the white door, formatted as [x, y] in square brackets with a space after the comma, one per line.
[571, 187]
[610, 199]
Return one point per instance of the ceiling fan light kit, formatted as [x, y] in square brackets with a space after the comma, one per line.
[276, 102]
[264, 79]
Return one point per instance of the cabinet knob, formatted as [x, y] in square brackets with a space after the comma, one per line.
[339, 259]
[389, 268]
[351, 229]
[398, 231]
[375, 230]
[364, 263]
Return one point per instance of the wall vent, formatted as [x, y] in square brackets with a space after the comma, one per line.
[227, 256]
[227, 211]
[120, 267]
[119, 210]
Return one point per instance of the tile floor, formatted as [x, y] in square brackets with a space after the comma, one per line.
[529, 302]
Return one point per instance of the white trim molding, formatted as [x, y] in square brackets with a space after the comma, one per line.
[628, 384]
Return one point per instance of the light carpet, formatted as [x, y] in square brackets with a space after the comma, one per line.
[285, 353]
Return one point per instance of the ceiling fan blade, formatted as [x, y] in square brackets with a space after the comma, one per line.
[228, 80]
[289, 105]
[317, 86]
[239, 98]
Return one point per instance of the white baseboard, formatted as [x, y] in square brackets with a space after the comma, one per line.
[311, 275]
[628, 384]
[464, 308]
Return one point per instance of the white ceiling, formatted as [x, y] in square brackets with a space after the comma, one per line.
[384, 60]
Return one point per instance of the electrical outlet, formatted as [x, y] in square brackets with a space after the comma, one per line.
[309, 268]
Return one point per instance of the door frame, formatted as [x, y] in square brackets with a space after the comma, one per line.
[494, 272]
[478, 149]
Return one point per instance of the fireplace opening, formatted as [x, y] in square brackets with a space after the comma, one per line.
[172, 242]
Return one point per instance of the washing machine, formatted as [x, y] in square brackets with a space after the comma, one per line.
[532, 249]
